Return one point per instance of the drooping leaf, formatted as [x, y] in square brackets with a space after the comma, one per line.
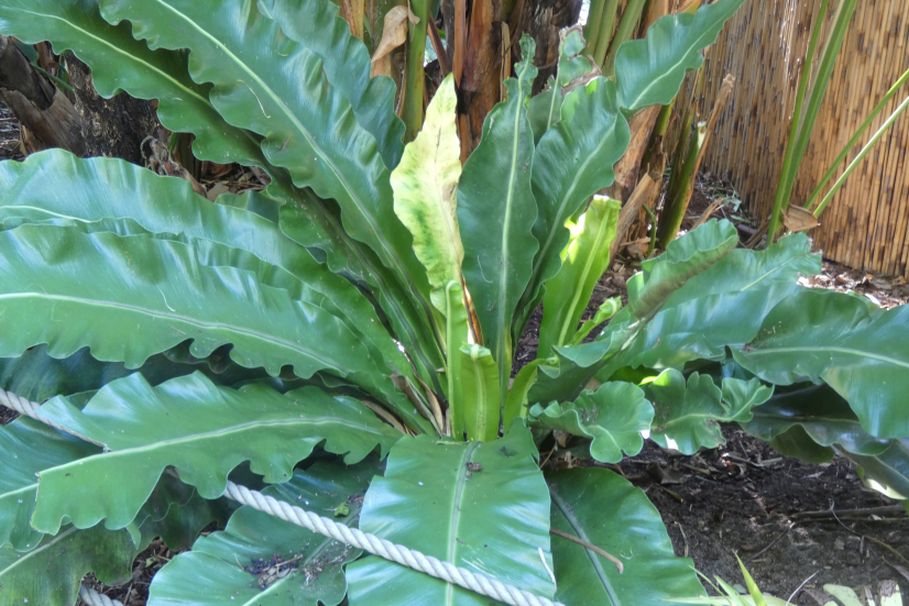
[212, 305]
[28, 448]
[613, 417]
[101, 191]
[573, 161]
[424, 185]
[119, 62]
[701, 313]
[845, 341]
[478, 505]
[52, 572]
[649, 71]
[261, 559]
[583, 262]
[317, 25]
[269, 83]
[603, 509]
[813, 422]
[689, 413]
[496, 212]
[209, 431]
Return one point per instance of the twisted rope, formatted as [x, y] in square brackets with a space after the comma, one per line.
[313, 522]
[94, 598]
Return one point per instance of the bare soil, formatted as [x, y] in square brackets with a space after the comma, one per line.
[796, 526]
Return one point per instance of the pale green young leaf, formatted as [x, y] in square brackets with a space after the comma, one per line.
[478, 392]
[424, 185]
[480, 505]
[584, 260]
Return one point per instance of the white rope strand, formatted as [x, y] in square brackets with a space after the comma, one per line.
[95, 598]
[370, 543]
[386, 549]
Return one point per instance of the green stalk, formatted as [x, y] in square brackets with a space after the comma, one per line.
[855, 137]
[414, 76]
[803, 125]
[607, 23]
[631, 18]
[681, 184]
[784, 187]
[858, 158]
[592, 27]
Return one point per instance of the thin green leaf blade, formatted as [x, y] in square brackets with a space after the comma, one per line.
[613, 416]
[496, 212]
[844, 341]
[603, 509]
[479, 505]
[209, 431]
[260, 559]
[649, 71]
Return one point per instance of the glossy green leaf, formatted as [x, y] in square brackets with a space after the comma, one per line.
[29, 447]
[584, 260]
[573, 161]
[613, 417]
[697, 312]
[483, 506]
[603, 509]
[209, 431]
[212, 305]
[259, 559]
[317, 25]
[101, 191]
[845, 341]
[543, 109]
[424, 185]
[119, 62]
[496, 211]
[689, 413]
[308, 127]
[649, 71]
[813, 422]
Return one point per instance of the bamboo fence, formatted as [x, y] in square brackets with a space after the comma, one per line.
[866, 225]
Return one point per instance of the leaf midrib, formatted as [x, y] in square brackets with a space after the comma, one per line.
[267, 339]
[858, 353]
[301, 129]
[216, 434]
[455, 513]
[38, 550]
